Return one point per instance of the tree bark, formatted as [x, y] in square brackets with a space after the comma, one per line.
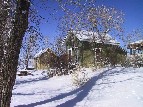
[11, 40]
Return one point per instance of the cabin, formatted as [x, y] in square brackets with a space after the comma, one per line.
[88, 49]
[135, 47]
[136, 53]
[45, 59]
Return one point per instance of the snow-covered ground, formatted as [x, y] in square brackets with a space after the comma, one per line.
[108, 87]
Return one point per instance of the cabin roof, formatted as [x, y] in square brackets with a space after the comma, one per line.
[42, 51]
[88, 36]
[137, 42]
[136, 45]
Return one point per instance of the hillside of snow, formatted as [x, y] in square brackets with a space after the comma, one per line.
[108, 87]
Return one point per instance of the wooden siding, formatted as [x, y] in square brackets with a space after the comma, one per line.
[86, 55]
[46, 60]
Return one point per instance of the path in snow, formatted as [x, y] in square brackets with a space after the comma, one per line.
[116, 87]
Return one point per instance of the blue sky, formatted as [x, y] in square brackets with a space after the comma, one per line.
[133, 10]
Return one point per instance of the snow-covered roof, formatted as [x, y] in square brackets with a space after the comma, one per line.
[137, 42]
[41, 52]
[89, 36]
[136, 45]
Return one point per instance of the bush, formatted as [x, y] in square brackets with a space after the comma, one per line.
[134, 60]
[79, 78]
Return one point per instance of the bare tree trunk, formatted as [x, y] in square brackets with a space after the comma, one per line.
[27, 61]
[10, 46]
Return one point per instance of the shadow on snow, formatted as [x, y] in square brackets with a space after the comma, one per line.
[80, 92]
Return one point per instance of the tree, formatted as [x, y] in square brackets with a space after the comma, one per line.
[59, 47]
[105, 20]
[13, 24]
[30, 46]
[133, 36]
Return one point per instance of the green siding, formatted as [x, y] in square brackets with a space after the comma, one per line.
[86, 53]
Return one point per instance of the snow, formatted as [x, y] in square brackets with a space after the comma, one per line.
[41, 52]
[89, 35]
[137, 42]
[36, 75]
[31, 63]
[106, 87]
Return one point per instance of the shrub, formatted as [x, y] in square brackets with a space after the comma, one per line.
[79, 77]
